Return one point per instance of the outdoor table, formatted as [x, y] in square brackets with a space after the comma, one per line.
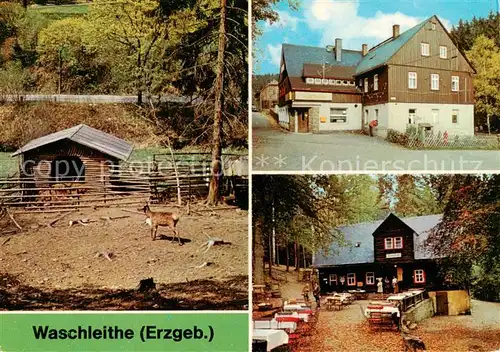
[274, 338]
[381, 308]
[274, 324]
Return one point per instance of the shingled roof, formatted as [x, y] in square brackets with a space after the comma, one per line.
[87, 136]
[381, 53]
[300, 57]
[363, 233]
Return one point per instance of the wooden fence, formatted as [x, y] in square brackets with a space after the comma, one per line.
[163, 179]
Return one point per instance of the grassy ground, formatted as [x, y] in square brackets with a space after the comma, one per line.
[8, 164]
[75, 9]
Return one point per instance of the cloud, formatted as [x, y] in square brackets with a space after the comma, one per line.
[340, 19]
[274, 53]
[285, 20]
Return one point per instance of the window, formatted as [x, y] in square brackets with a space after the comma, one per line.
[309, 80]
[424, 48]
[366, 85]
[398, 242]
[324, 81]
[454, 116]
[412, 116]
[388, 243]
[338, 82]
[433, 26]
[333, 278]
[419, 276]
[375, 82]
[331, 82]
[338, 115]
[455, 83]
[434, 81]
[370, 278]
[351, 279]
[443, 52]
[376, 114]
[412, 80]
[317, 81]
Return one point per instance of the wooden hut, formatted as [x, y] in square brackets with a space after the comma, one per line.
[80, 154]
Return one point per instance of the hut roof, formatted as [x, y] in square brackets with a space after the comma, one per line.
[87, 136]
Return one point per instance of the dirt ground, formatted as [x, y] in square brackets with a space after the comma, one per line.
[348, 330]
[65, 260]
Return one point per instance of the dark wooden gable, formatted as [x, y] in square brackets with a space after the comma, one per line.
[393, 227]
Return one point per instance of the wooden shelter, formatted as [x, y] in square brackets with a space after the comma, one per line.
[80, 154]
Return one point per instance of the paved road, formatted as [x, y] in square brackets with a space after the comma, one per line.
[275, 149]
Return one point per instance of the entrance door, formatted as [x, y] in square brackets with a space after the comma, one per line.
[441, 303]
[303, 120]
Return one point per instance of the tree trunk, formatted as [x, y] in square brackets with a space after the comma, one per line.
[287, 256]
[488, 123]
[304, 256]
[258, 253]
[270, 243]
[296, 255]
[213, 193]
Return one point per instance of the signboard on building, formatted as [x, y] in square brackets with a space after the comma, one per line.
[315, 96]
[393, 255]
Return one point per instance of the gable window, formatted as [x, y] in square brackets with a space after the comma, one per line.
[412, 116]
[398, 242]
[434, 81]
[375, 82]
[412, 80]
[454, 116]
[370, 278]
[419, 276]
[388, 244]
[455, 83]
[310, 80]
[366, 85]
[424, 48]
[333, 279]
[351, 279]
[338, 115]
[443, 52]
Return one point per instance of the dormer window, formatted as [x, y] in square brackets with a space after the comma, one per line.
[393, 243]
[338, 82]
[317, 81]
[324, 81]
[310, 80]
[331, 82]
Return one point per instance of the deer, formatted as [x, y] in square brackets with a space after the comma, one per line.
[160, 218]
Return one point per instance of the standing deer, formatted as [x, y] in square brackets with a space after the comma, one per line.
[160, 218]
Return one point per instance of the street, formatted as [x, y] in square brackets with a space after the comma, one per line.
[275, 149]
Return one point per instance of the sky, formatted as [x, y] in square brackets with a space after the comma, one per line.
[319, 22]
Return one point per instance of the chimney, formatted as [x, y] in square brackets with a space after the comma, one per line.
[365, 49]
[338, 49]
[395, 31]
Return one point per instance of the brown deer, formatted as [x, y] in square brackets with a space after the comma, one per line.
[160, 218]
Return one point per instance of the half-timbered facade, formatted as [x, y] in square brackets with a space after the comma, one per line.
[392, 248]
[416, 79]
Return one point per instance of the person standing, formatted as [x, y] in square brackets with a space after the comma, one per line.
[380, 286]
[305, 293]
[316, 294]
[394, 284]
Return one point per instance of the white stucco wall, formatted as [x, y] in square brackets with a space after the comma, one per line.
[353, 117]
[398, 117]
